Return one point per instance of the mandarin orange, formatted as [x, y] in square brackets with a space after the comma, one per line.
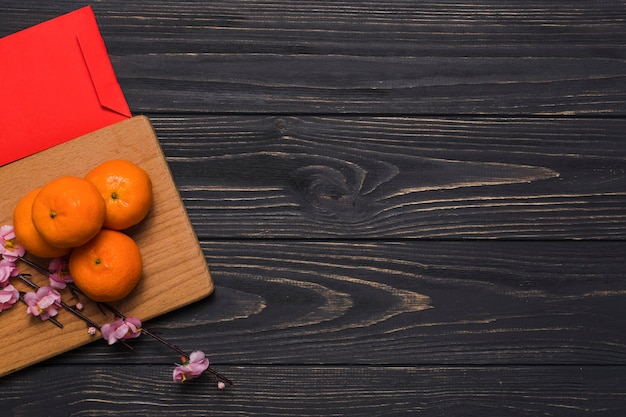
[27, 234]
[108, 267]
[68, 212]
[126, 189]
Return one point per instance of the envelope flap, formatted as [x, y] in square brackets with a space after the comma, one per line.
[56, 84]
[100, 70]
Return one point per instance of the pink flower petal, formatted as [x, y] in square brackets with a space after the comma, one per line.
[8, 297]
[43, 303]
[121, 329]
[193, 368]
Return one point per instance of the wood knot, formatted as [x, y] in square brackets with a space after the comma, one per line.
[327, 192]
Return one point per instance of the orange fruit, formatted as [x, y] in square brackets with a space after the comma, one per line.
[108, 267]
[27, 234]
[126, 189]
[68, 212]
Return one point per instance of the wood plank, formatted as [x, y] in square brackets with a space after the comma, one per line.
[409, 177]
[376, 58]
[321, 391]
[326, 83]
[398, 302]
[390, 28]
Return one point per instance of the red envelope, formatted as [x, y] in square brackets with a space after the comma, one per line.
[56, 84]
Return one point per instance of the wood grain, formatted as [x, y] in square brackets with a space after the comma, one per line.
[26, 339]
[409, 177]
[393, 28]
[372, 58]
[321, 390]
[421, 85]
[367, 303]
[511, 329]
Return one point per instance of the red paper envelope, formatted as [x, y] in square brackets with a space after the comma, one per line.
[56, 83]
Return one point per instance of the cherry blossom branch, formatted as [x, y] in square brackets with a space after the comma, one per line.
[45, 302]
[63, 304]
[193, 364]
[172, 346]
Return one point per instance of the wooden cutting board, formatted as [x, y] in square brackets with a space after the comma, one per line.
[175, 270]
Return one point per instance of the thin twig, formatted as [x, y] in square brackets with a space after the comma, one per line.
[74, 289]
[63, 304]
[69, 308]
[35, 266]
[168, 344]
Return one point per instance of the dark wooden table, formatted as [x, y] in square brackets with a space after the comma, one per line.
[408, 208]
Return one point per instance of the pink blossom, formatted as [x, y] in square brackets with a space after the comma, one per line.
[59, 273]
[8, 296]
[191, 368]
[7, 270]
[9, 248]
[121, 329]
[6, 233]
[44, 303]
